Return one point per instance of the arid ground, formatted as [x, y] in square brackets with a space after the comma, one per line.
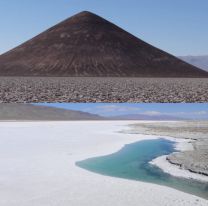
[77, 89]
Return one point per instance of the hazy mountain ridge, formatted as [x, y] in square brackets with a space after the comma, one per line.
[27, 112]
[198, 61]
[36, 112]
[146, 117]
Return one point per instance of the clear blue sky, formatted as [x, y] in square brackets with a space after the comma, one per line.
[193, 111]
[177, 26]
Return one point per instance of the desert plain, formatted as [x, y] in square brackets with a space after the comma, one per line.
[101, 89]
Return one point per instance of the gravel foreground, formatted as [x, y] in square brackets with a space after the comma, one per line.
[77, 89]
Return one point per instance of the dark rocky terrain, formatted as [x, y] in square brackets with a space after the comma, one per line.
[66, 89]
[87, 45]
[31, 112]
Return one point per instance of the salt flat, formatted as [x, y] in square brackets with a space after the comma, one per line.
[38, 167]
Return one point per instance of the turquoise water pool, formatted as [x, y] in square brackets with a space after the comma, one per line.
[132, 162]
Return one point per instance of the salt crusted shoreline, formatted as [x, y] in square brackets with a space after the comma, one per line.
[163, 163]
[175, 170]
[191, 142]
[38, 167]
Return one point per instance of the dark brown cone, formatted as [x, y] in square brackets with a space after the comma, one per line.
[88, 45]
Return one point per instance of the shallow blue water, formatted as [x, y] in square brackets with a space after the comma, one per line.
[132, 162]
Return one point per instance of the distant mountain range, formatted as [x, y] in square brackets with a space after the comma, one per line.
[198, 61]
[87, 45]
[29, 112]
[145, 117]
[33, 113]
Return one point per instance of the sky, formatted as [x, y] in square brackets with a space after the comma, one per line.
[192, 111]
[178, 27]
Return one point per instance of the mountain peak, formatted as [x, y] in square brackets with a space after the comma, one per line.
[87, 45]
[85, 15]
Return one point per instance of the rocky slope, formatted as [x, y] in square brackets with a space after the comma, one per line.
[87, 45]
